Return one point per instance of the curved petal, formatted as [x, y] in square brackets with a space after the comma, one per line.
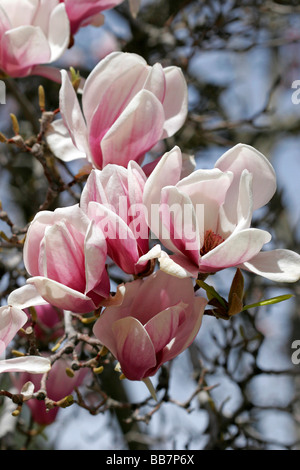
[35, 235]
[31, 364]
[58, 32]
[189, 330]
[244, 209]
[136, 131]
[62, 296]
[166, 173]
[63, 256]
[95, 251]
[134, 348]
[156, 82]
[178, 266]
[277, 265]
[242, 157]
[121, 243]
[11, 320]
[131, 70]
[163, 327]
[237, 249]
[60, 142]
[175, 102]
[180, 228]
[25, 296]
[24, 47]
[72, 115]
[206, 189]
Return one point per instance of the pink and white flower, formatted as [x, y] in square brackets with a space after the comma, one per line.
[65, 253]
[32, 33]
[205, 218]
[157, 320]
[128, 106]
[113, 198]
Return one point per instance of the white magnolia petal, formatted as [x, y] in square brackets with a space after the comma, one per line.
[25, 296]
[61, 144]
[31, 364]
[277, 265]
[169, 266]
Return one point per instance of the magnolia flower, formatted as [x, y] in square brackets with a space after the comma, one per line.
[113, 197]
[205, 218]
[158, 319]
[47, 325]
[65, 253]
[59, 385]
[32, 32]
[128, 106]
[85, 12]
[11, 320]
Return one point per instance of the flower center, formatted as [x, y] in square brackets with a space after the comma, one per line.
[211, 240]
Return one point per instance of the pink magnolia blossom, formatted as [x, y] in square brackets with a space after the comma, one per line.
[85, 12]
[65, 253]
[113, 197]
[11, 320]
[48, 323]
[128, 106]
[32, 32]
[158, 319]
[205, 218]
[59, 385]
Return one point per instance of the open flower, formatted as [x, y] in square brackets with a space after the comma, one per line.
[65, 253]
[31, 33]
[205, 218]
[113, 197]
[158, 319]
[128, 106]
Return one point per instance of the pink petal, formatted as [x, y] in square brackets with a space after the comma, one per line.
[23, 48]
[121, 243]
[136, 131]
[64, 256]
[62, 296]
[119, 74]
[163, 327]
[95, 251]
[189, 330]
[167, 172]
[180, 230]
[135, 350]
[35, 235]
